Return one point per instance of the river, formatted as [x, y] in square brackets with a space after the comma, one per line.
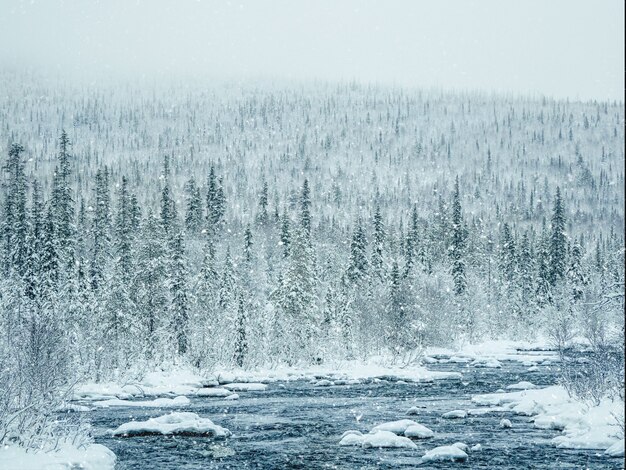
[295, 425]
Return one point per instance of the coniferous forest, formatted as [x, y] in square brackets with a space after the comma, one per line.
[253, 225]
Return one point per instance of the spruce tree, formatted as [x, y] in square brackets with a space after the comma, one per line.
[458, 243]
[558, 241]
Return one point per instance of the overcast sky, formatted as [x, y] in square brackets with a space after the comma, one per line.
[562, 48]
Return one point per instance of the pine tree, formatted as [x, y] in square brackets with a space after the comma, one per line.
[378, 245]
[262, 216]
[193, 215]
[179, 295]
[63, 202]
[247, 247]
[123, 232]
[508, 259]
[558, 241]
[305, 209]
[358, 267]
[411, 245]
[457, 248]
[241, 342]
[285, 233]
[228, 282]
[101, 230]
[15, 225]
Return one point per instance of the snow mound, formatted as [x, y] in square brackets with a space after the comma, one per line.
[174, 423]
[522, 386]
[213, 392]
[93, 457]
[414, 410]
[461, 445]
[455, 414]
[233, 396]
[351, 438]
[505, 423]
[396, 427]
[387, 439]
[351, 432]
[418, 431]
[245, 387]
[616, 450]
[445, 453]
[376, 439]
[490, 362]
[323, 383]
[156, 403]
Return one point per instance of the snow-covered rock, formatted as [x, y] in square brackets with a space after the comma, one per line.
[490, 362]
[387, 439]
[245, 387]
[347, 382]
[173, 423]
[522, 386]
[418, 431]
[460, 359]
[93, 457]
[461, 445]
[445, 453]
[351, 432]
[375, 439]
[455, 414]
[414, 410]
[505, 423]
[616, 450]
[213, 392]
[351, 439]
[323, 383]
[156, 403]
[396, 427]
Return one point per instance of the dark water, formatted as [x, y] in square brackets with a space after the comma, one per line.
[298, 426]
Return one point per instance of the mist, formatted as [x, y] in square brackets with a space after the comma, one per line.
[565, 49]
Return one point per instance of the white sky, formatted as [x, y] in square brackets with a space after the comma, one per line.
[562, 48]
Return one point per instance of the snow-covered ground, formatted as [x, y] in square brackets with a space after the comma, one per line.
[584, 426]
[93, 457]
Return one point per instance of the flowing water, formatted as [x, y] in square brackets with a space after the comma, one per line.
[296, 425]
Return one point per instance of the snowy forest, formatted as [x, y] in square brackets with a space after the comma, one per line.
[249, 225]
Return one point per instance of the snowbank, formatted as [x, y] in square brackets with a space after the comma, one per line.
[445, 453]
[182, 381]
[178, 381]
[616, 450]
[488, 352]
[93, 457]
[583, 426]
[156, 403]
[341, 373]
[174, 423]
